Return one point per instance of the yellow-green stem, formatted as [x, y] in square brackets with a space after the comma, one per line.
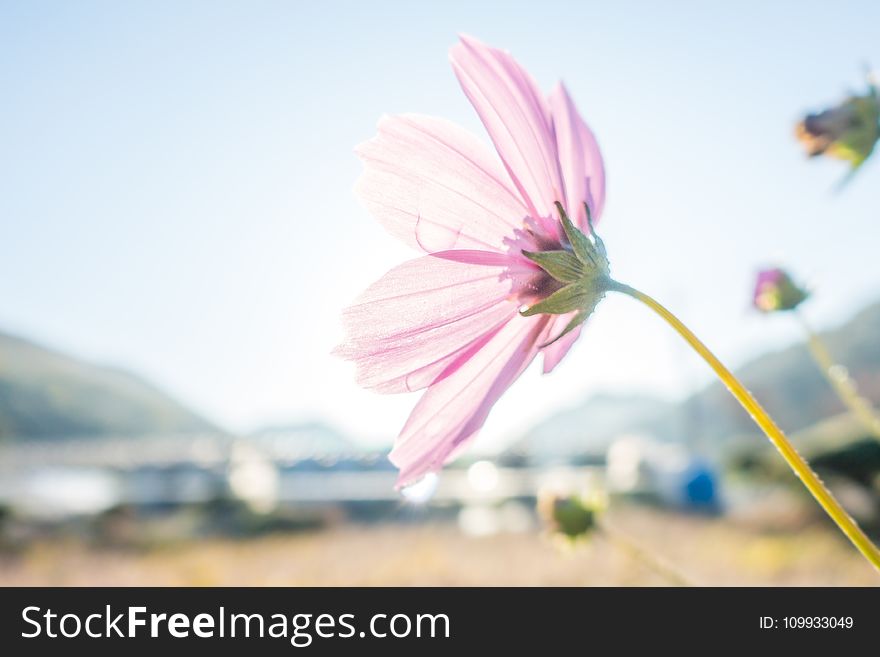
[795, 461]
[646, 558]
[840, 380]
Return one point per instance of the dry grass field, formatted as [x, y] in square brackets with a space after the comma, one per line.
[709, 551]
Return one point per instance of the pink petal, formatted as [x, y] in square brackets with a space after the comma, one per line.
[555, 352]
[579, 158]
[418, 320]
[451, 411]
[436, 186]
[435, 371]
[517, 118]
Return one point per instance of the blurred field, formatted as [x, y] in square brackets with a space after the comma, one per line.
[710, 551]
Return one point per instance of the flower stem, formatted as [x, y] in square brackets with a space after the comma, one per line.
[646, 558]
[840, 380]
[795, 461]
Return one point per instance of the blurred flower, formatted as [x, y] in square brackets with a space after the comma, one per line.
[572, 516]
[775, 291]
[845, 132]
[508, 274]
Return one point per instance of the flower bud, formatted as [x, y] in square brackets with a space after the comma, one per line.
[775, 291]
[845, 132]
[571, 516]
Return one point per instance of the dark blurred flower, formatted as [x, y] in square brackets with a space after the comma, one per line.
[775, 290]
[845, 132]
[572, 516]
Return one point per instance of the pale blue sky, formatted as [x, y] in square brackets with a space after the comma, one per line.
[175, 183]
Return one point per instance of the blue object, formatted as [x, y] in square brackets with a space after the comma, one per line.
[701, 486]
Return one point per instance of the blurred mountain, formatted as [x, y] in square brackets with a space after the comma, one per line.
[307, 439]
[47, 395]
[790, 386]
[787, 382]
[587, 430]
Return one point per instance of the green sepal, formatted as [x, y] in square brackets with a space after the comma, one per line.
[580, 243]
[581, 267]
[600, 245]
[571, 297]
[564, 266]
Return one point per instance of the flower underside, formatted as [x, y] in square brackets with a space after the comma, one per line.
[580, 271]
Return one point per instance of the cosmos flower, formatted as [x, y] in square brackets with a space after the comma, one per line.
[512, 268]
[845, 132]
[776, 291]
[509, 272]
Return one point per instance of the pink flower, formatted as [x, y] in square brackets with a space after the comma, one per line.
[507, 275]
[775, 290]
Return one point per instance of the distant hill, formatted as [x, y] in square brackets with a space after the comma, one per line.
[791, 387]
[786, 382]
[589, 428]
[306, 439]
[47, 395]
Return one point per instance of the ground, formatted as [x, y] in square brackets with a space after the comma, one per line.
[706, 550]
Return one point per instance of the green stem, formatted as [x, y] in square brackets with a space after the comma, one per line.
[794, 460]
[644, 557]
[841, 381]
